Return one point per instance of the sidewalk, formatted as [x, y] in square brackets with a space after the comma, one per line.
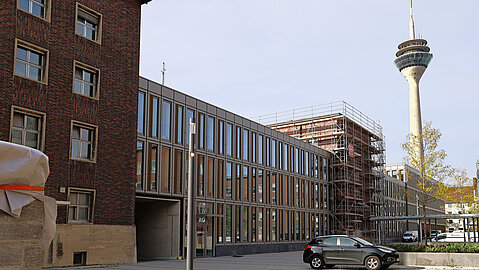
[279, 261]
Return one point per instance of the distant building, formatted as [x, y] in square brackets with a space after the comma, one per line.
[460, 200]
[412, 197]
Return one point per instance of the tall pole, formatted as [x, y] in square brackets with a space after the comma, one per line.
[190, 243]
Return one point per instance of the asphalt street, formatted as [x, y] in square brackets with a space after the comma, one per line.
[286, 260]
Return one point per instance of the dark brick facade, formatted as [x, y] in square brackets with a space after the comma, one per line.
[114, 113]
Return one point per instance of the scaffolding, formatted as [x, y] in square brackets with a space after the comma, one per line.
[358, 147]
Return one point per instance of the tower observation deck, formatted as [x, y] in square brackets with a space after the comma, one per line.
[413, 52]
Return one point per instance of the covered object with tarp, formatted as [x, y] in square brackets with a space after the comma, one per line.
[23, 173]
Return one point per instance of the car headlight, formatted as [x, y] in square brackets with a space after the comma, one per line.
[385, 250]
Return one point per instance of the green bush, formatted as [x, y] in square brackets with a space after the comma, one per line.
[447, 248]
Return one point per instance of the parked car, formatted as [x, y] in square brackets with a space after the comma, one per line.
[458, 236]
[331, 250]
[435, 233]
[410, 236]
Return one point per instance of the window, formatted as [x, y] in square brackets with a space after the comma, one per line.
[273, 153]
[343, 241]
[31, 62]
[152, 167]
[153, 117]
[244, 227]
[260, 185]
[88, 23]
[253, 185]
[86, 80]
[238, 183]
[189, 115]
[210, 180]
[139, 164]
[267, 152]
[166, 121]
[253, 144]
[141, 113]
[237, 223]
[220, 175]
[245, 183]
[285, 156]
[219, 223]
[229, 224]
[296, 160]
[260, 149]
[27, 128]
[221, 136]
[229, 179]
[83, 141]
[200, 187]
[245, 144]
[229, 139]
[81, 205]
[36, 7]
[238, 142]
[179, 124]
[201, 131]
[211, 134]
[177, 171]
[165, 169]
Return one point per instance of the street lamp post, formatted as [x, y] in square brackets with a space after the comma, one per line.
[190, 242]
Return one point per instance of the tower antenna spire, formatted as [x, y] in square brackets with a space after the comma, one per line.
[412, 32]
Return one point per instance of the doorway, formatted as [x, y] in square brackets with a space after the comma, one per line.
[157, 228]
[204, 230]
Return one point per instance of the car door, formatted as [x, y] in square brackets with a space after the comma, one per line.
[349, 252]
[330, 250]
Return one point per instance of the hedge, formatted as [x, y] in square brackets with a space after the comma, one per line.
[448, 248]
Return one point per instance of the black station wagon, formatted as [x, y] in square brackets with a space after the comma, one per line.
[331, 250]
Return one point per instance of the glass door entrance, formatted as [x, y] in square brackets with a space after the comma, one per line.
[204, 230]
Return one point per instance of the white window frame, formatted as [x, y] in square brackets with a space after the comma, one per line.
[81, 17]
[36, 49]
[26, 112]
[80, 141]
[91, 206]
[96, 79]
[46, 8]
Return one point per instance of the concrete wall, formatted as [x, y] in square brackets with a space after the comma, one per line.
[158, 229]
[104, 244]
[21, 239]
[439, 259]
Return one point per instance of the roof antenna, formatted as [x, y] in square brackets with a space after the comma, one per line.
[412, 33]
[163, 71]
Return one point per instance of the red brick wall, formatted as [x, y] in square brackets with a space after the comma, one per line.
[117, 57]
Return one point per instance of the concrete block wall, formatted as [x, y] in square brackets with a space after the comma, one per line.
[103, 244]
[21, 239]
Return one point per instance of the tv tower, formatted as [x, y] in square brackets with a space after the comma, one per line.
[412, 60]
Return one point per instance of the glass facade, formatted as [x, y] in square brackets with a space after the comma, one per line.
[253, 184]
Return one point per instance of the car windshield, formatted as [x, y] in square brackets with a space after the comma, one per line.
[362, 241]
[408, 234]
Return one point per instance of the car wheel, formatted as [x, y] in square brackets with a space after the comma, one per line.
[329, 265]
[316, 262]
[372, 263]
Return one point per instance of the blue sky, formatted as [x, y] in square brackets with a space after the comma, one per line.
[256, 57]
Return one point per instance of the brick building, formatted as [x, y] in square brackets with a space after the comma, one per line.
[68, 86]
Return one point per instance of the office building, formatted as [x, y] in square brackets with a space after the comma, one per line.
[258, 190]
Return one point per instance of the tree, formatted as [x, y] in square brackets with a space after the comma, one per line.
[431, 165]
[461, 191]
